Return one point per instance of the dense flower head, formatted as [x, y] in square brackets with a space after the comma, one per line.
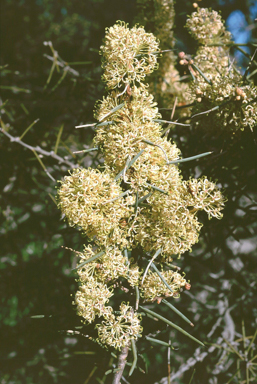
[204, 195]
[154, 288]
[91, 298]
[86, 198]
[167, 224]
[236, 102]
[218, 86]
[128, 55]
[117, 331]
[108, 267]
[207, 26]
[213, 62]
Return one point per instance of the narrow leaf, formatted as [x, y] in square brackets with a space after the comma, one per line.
[43, 166]
[157, 341]
[65, 71]
[136, 204]
[145, 197]
[157, 145]
[171, 122]
[22, 106]
[105, 123]
[129, 164]
[134, 350]
[202, 74]
[58, 139]
[137, 297]
[161, 277]
[148, 266]
[15, 89]
[192, 376]
[87, 150]
[29, 127]
[89, 260]
[116, 198]
[177, 312]
[85, 125]
[171, 324]
[79, 62]
[112, 111]
[189, 158]
[252, 341]
[157, 188]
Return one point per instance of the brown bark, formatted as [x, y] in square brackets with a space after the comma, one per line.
[121, 365]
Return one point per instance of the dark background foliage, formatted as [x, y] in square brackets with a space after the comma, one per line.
[35, 270]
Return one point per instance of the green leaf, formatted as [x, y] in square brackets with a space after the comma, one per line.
[134, 350]
[89, 260]
[144, 197]
[157, 341]
[157, 188]
[148, 266]
[116, 198]
[190, 158]
[171, 122]
[177, 312]
[157, 145]
[171, 324]
[58, 139]
[129, 164]
[29, 127]
[112, 111]
[201, 73]
[161, 277]
[87, 150]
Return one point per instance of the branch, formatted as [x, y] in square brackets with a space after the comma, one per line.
[39, 149]
[121, 365]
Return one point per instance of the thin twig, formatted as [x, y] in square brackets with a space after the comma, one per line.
[39, 150]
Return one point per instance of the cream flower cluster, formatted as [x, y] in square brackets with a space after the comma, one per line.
[221, 86]
[139, 203]
[128, 55]
[207, 27]
[159, 15]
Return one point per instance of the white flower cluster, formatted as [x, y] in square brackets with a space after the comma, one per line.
[139, 202]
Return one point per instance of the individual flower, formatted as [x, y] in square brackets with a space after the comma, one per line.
[90, 300]
[153, 287]
[117, 331]
[128, 55]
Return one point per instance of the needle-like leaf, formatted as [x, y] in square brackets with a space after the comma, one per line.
[171, 324]
[89, 260]
[177, 312]
[161, 277]
[157, 341]
[134, 350]
[189, 158]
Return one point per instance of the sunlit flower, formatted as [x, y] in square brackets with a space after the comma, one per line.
[207, 27]
[109, 266]
[87, 198]
[153, 287]
[90, 300]
[128, 55]
[118, 331]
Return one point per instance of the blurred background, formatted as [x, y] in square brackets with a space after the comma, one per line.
[50, 81]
